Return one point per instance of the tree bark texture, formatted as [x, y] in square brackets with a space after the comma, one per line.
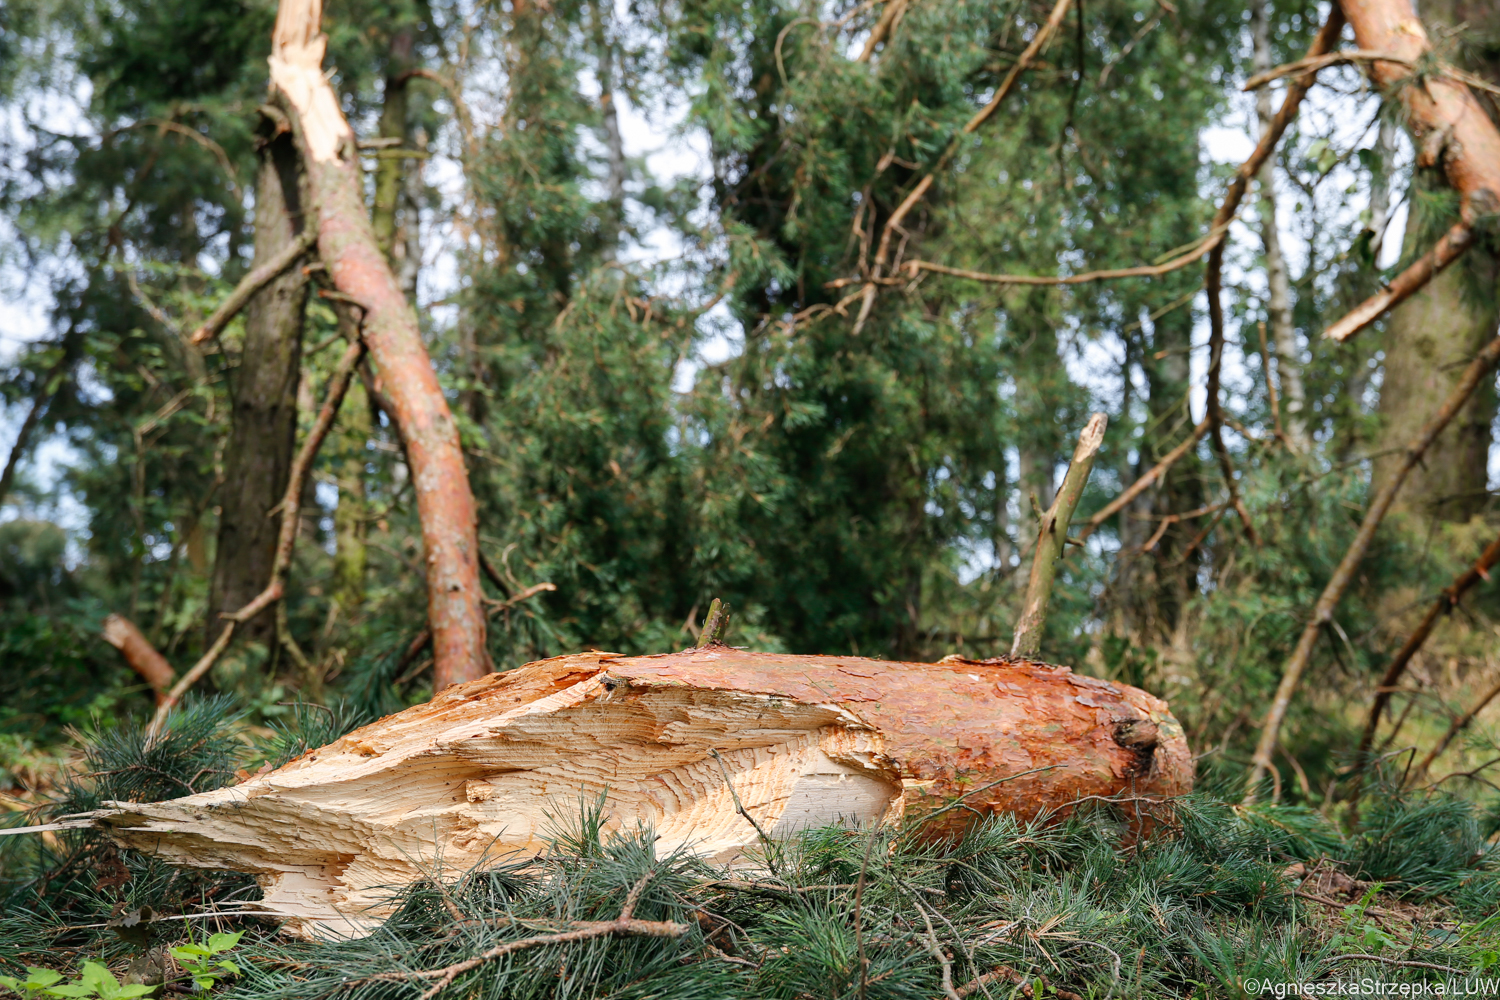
[346, 241]
[492, 766]
[389, 171]
[1432, 334]
[1449, 126]
[264, 427]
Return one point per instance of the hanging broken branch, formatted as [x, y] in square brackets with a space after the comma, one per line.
[1343, 575]
[1052, 537]
[251, 283]
[291, 509]
[347, 244]
[1449, 126]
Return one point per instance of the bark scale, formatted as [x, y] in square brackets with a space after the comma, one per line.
[347, 244]
[262, 437]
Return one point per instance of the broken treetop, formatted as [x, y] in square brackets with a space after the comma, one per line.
[494, 765]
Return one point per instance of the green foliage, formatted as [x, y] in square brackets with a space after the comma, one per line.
[97, 981]
[204, 962]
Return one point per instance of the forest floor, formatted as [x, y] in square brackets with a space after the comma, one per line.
[1217, 900]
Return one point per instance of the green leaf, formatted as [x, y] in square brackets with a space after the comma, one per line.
[230, 967]
[72, 990]
[36, 977]
[223, 941]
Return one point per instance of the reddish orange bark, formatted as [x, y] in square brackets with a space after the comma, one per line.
[346, 242]
[143, 658]
[1450, 128]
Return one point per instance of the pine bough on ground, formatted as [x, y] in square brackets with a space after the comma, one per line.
[1217, 896]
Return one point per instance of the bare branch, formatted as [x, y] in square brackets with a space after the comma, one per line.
[251, 283]
[1483, 363]
[291, 508]
[1446, 602]
[1154, 475]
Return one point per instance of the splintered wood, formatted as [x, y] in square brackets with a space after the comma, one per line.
[494, 766]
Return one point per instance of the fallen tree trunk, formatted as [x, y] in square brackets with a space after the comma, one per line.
[491, 767]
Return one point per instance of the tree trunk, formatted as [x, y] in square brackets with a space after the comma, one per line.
[1279, 300]
[1431, 335]
[674, 742]
[346, 241]
[262, 437]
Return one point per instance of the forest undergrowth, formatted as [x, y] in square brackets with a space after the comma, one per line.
[1196, 897]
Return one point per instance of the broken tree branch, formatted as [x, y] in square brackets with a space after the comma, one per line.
[1052, 538]
[1212, 243]
[143, 658]
[1038, 42]
[347, 245]
[715, 624]
[1153, 475]
[805, 741]
[251, 283]
[1483, 363]
[1446, 602]
[1448, 125]
[291, 509]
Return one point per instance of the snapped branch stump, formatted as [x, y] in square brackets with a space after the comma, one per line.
[676, 742]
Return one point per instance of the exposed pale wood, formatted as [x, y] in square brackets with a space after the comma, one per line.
[489, 767]
[143, 658]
